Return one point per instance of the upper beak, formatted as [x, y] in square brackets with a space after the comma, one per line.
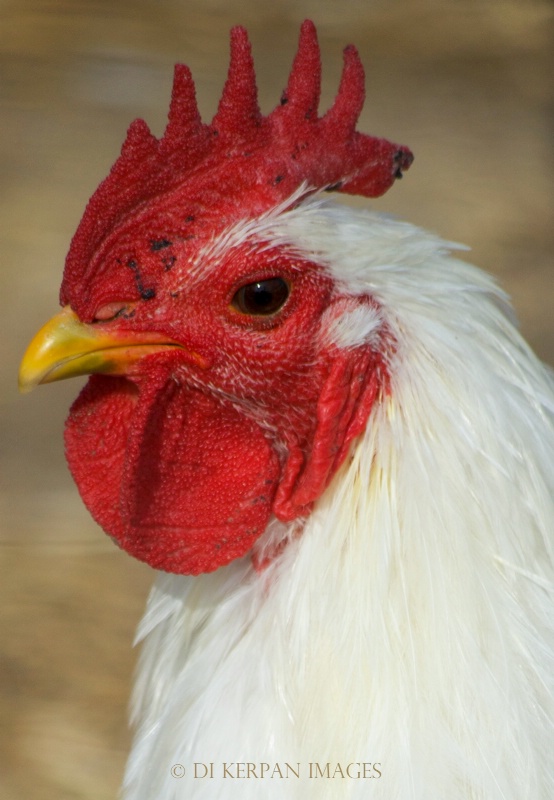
[66, 347]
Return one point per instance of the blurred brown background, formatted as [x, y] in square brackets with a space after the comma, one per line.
[467, 84]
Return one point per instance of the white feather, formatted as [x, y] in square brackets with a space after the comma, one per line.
[411, 623]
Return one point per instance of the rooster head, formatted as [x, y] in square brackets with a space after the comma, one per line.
[217, 397]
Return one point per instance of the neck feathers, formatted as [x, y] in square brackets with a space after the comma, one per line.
[410, 623]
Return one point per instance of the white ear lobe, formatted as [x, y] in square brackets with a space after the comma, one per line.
[349, 323]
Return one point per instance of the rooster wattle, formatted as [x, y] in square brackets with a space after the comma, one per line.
[328, 434]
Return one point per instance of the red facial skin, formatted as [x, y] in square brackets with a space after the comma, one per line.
[184, 460]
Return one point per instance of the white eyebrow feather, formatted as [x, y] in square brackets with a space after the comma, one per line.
[258, 231]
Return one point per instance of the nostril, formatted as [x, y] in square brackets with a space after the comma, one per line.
[111, 311]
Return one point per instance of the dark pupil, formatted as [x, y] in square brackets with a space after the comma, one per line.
[262, 297]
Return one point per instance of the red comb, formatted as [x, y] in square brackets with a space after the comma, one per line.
[243, 163]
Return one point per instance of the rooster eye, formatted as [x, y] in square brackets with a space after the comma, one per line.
[261, 298]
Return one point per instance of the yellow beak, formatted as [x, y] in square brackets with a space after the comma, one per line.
[66, 347]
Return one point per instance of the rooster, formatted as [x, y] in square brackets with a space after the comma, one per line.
[326, 433]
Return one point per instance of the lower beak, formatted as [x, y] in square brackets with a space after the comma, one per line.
[66, 347]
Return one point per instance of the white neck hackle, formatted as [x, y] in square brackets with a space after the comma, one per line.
[410, 623]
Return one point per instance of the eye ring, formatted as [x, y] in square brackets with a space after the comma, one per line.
[262, 298]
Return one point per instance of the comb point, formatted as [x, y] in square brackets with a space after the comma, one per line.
[301, 97]
[349, 101]
[184, 120]
[238, 110]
